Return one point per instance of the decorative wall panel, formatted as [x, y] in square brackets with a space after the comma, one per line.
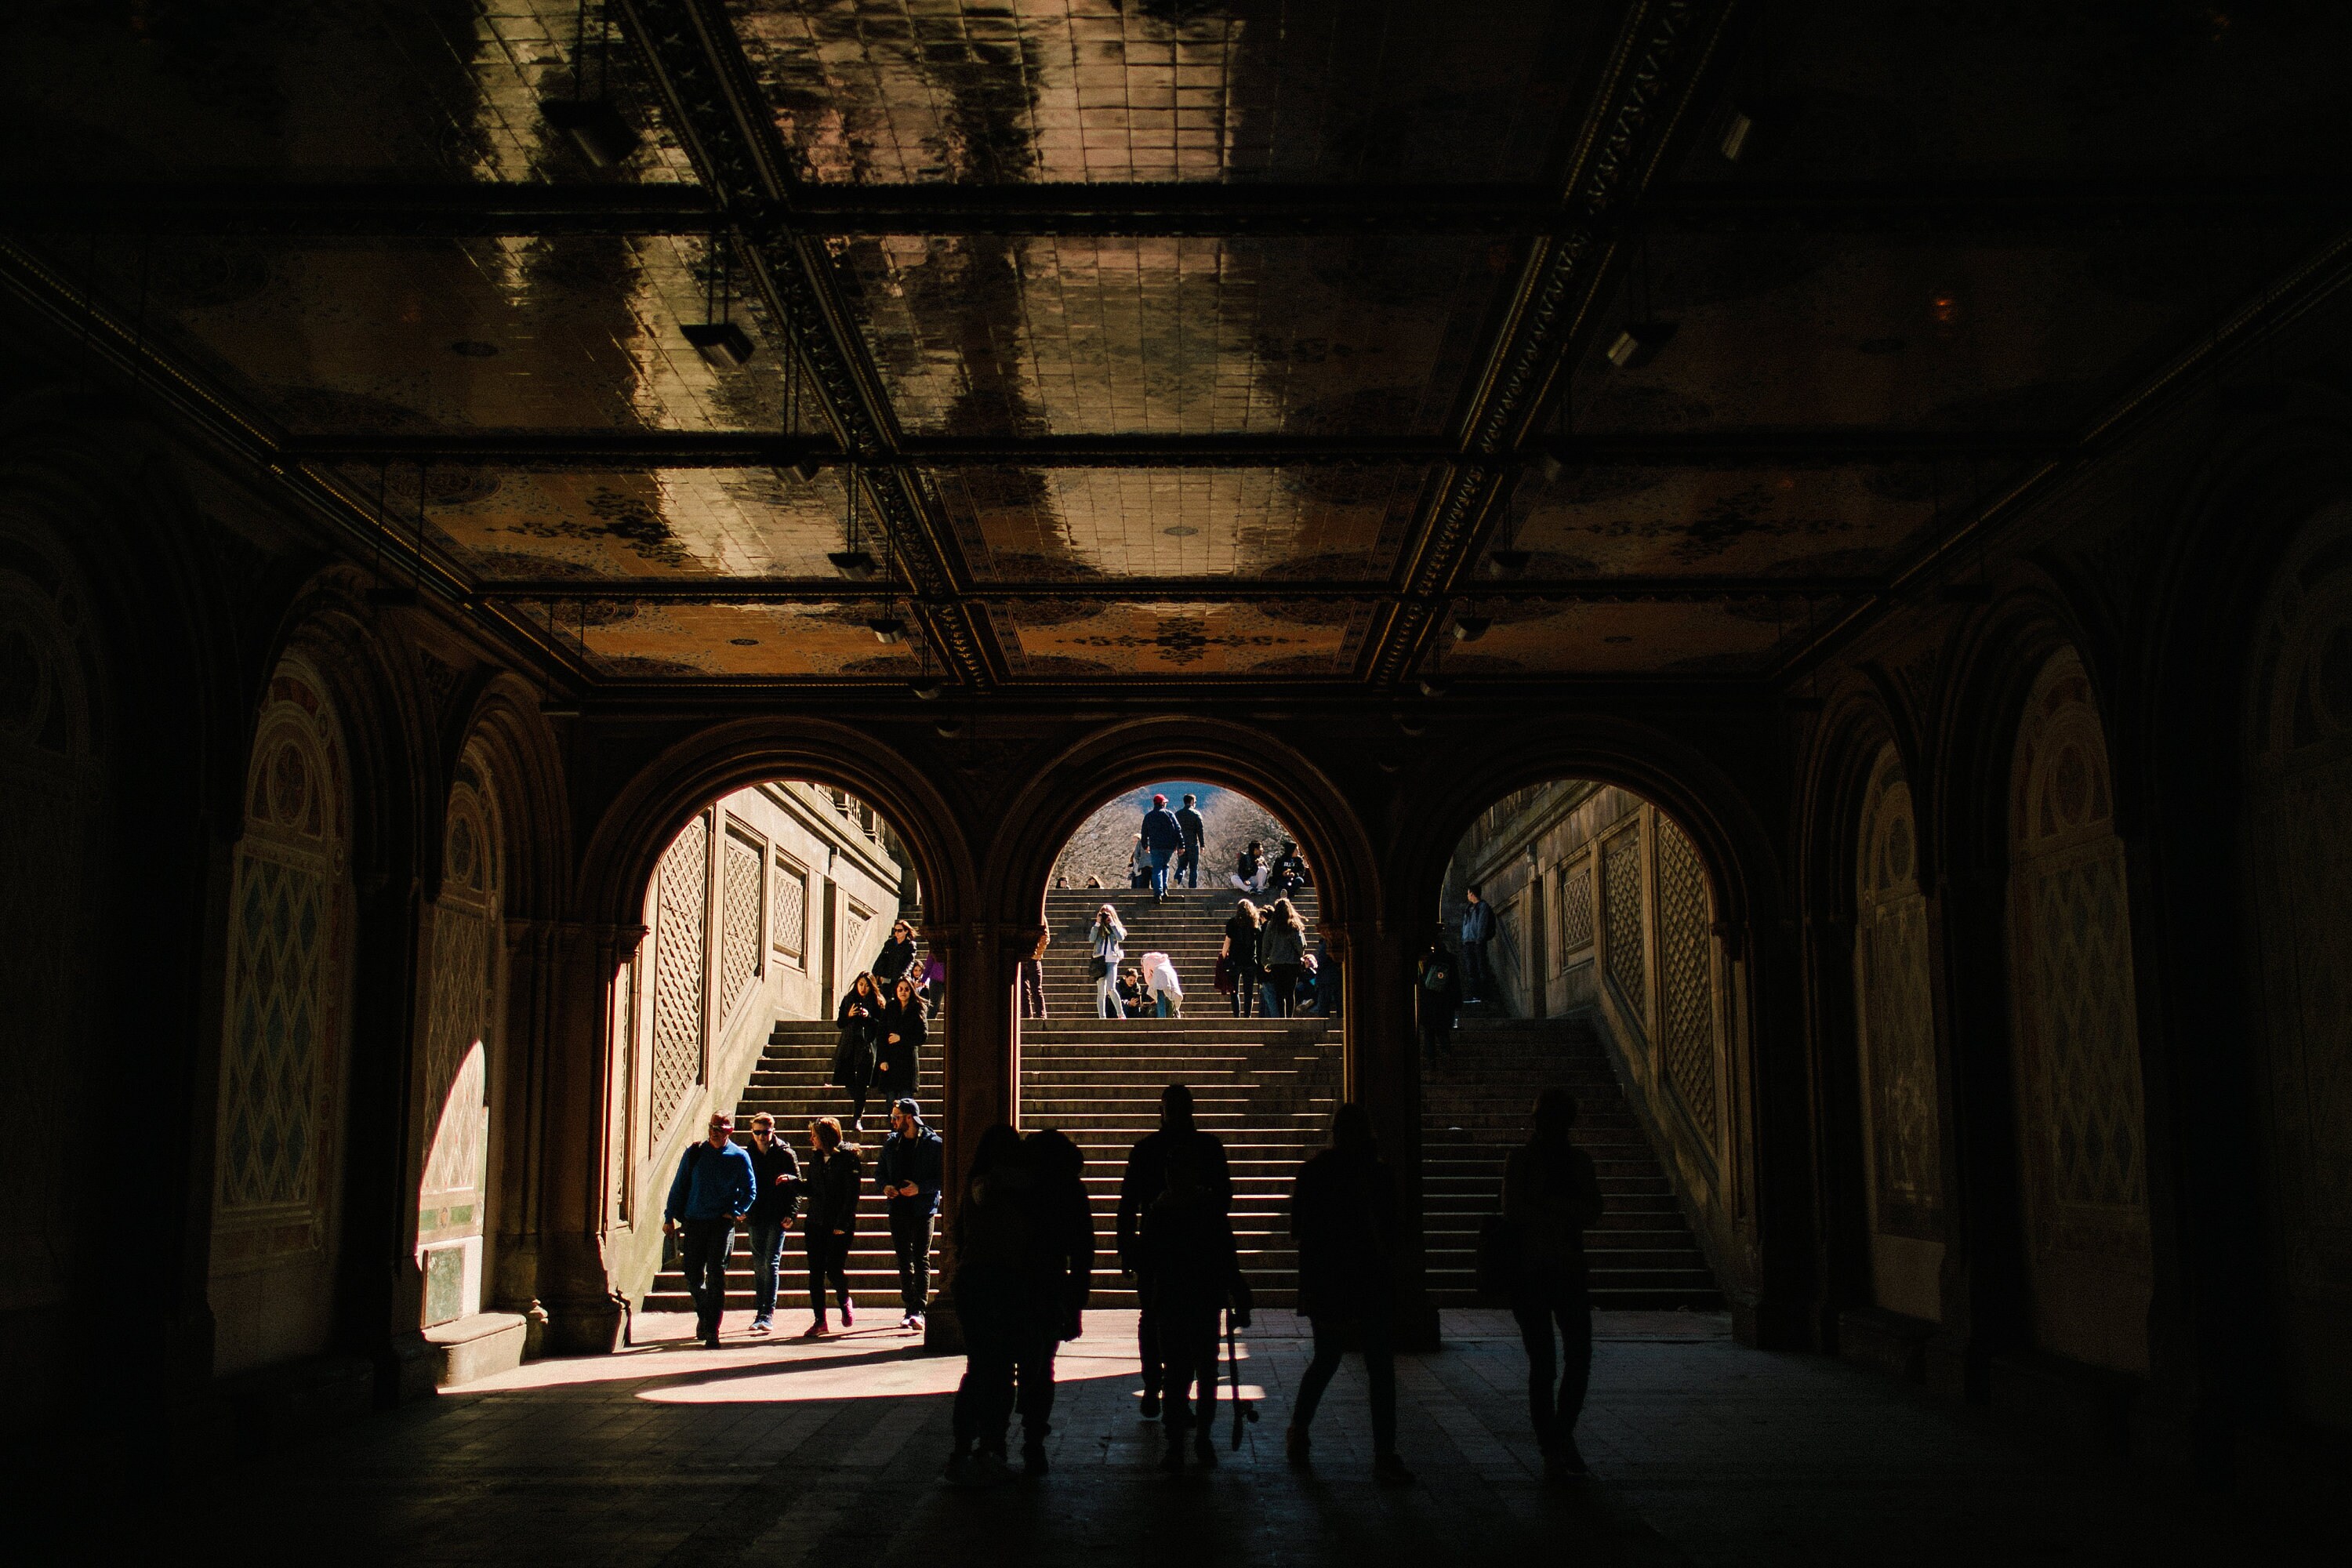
[678, 970]
[2299, 843]
[1894, 1015]
[460, 1028]
[1576, 906]
[743, 864]
[1621, 898]
[788, 921]
[2075, 1033]
[282, 1059]
[1687, 974]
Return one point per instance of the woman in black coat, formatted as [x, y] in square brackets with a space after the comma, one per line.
[852, 1059]
[1343, 1213]
[1240, 954]
[834, 1177]
[899, 1043]
[897, 957]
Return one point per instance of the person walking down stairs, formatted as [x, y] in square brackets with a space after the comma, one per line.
[898, 1037]
[777, 1179]
[1551, 1196]
[859, 1016]
[1436, 998]
[836, 1177]
[1110, 936]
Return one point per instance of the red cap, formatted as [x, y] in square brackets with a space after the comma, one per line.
[1159, 800]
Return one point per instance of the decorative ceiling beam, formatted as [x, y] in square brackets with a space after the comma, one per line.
[463, 210]
[1795, 448]
[1196, 591]
[1655, 64]
[714, 103]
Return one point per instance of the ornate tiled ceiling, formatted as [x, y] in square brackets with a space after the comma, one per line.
[1206, 341]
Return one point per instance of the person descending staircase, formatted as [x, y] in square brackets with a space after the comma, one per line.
[1475, 1110]
[1267, 1087]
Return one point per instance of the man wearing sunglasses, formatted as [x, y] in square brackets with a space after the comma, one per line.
[713, 1189]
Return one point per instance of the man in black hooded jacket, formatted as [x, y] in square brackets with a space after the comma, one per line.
[1146, 1179]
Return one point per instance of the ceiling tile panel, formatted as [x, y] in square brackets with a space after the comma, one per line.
[1059, 641]
[320, 90]
[694, 641]
[1622, 639]
[1343, 522]
[524, 525]
[544, 333]
[1067, 336]
[977, 90]
[1658, 522]
[1780, 330]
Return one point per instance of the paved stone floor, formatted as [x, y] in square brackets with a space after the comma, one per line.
[785, 1453]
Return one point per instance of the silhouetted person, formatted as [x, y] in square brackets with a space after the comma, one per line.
[1194, 1273]
[829, 1219]
[1550, 1198]
[776, 1174]
[1477, 930]
[997, 1299]
[1065, 1238]
[1436, 998]
[1033, 975]
[1196, 833]
[908, 1173]
[1163, 835]
[712, 1190]
[1145, 1179]
[1343, 1213]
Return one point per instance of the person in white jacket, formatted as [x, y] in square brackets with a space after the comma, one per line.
[1110, 936]
[1160, 979]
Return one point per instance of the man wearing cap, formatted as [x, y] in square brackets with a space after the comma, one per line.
[714, 1187]
[1162, 837]
[910, 1172]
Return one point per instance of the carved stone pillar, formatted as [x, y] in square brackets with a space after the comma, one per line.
[1383, 1073]
[585, 1310]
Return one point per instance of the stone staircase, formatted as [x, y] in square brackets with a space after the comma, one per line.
[1474, 1111]
[1267, 1087]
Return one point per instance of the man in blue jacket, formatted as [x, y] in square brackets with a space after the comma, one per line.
[1196, 833]
[713, 1188]
[1162, 837]
[909, 1173]
[1477, 930]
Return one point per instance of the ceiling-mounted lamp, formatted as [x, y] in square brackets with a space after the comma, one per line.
[722, 344]
[857, 566]
[1508, 562]
[949, 727]
[593, 124]
[1433, 686]
[1470, 629]
[927, 687]
[1549, 465]
[888, 629]
[1638, 342]
[807, 470]
[1736, 132]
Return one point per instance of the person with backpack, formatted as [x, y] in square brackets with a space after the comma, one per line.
[713, 1190]
[1551, 1196]
[1436, 998]
[1192, 1272]
[1343, 1213]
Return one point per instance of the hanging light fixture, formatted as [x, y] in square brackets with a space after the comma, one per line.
[1638, 342]
[722, 344]
[853, 560]
[593, 124]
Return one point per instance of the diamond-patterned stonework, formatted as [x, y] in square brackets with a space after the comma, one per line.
[1621, 890]
[738, 936]
[1897, 1042]
[1576, 906]
[678, 968]
[273, 1068]
[1685, 973]
[788, 926]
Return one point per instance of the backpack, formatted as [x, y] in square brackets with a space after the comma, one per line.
[1437, 977]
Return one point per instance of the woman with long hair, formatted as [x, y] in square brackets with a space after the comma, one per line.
[1108, 947]
[897, 957]
[899, 1041]
[1240, 953]
[829, 1218]
[1343, 1215]
[853, 1056]
[1282, 954]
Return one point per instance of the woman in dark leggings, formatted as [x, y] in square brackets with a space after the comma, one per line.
[836, 1175]
[1343, 1213]
[1240, 954]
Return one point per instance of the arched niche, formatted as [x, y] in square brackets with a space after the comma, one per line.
[462, 1012]
[285, 1054]
[2075, 1035]
[53, 739]
[2298, 761]
[1895, 1050]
